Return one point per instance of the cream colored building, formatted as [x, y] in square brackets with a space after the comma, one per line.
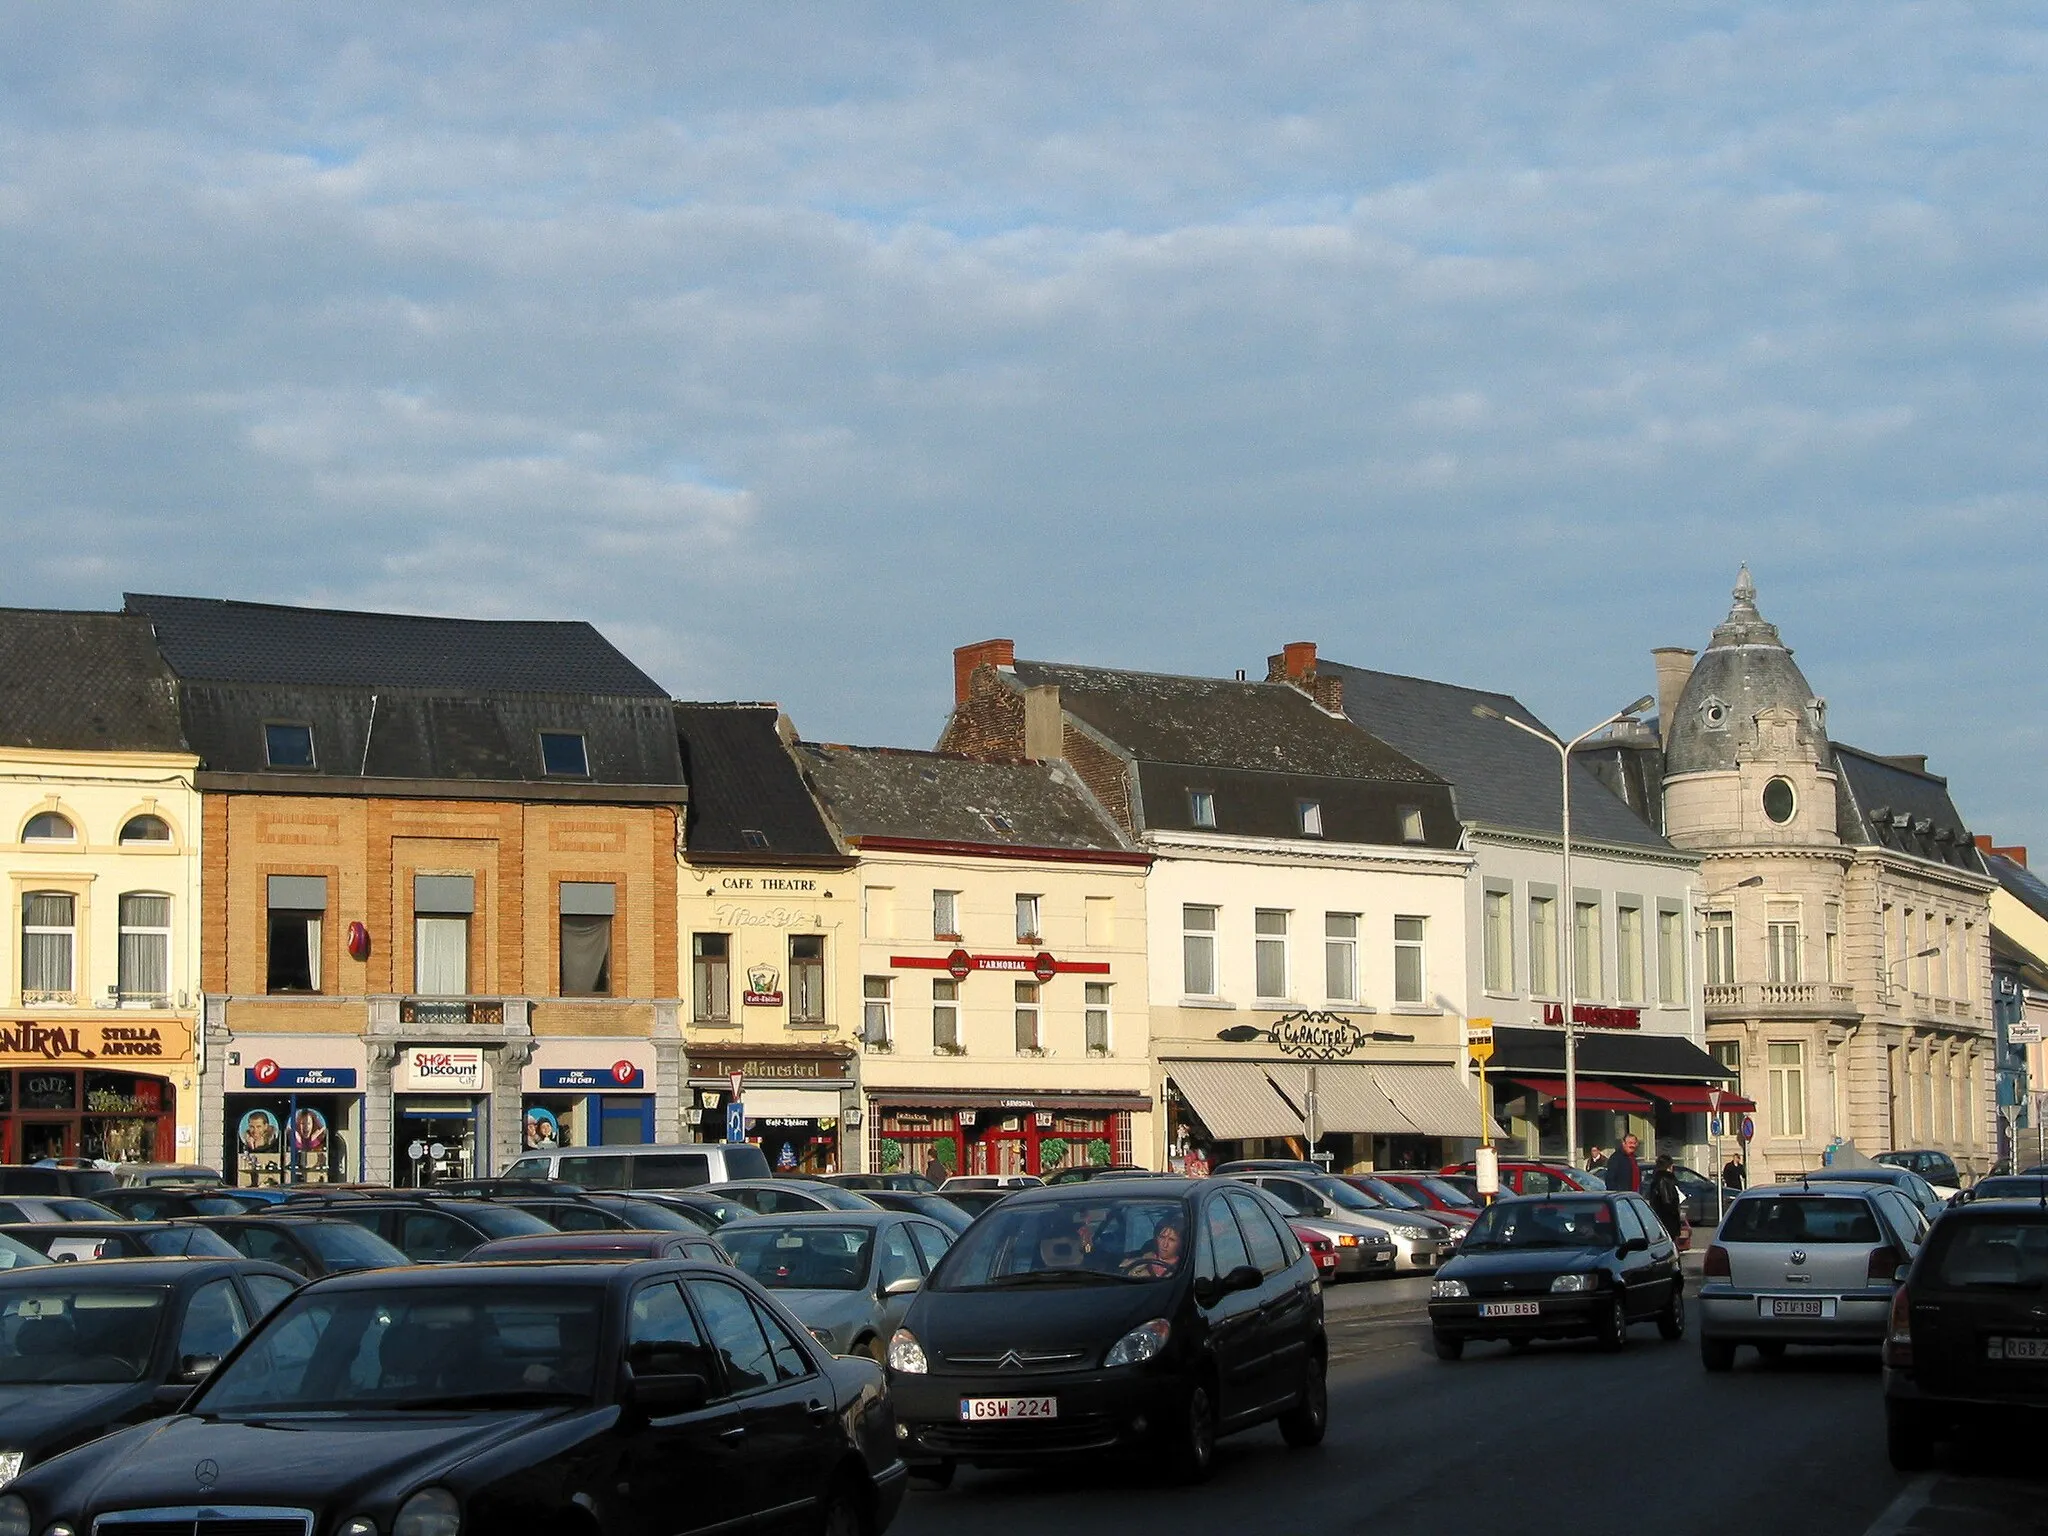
[99, 841]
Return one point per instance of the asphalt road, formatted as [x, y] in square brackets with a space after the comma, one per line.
[1561, 1440]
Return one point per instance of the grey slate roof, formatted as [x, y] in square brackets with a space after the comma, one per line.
[1745, 669]
[742, 779]
[1883, 804]
[221, 641]
[941, 797]
[1503, 779]
[89, 682]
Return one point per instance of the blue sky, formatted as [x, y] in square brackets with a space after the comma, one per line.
[795, 345]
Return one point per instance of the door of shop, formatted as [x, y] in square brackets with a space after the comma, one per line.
[42, 1138]
[437, 1140]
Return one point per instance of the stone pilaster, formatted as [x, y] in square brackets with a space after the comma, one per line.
[671, 1095]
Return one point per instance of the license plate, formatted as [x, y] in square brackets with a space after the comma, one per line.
[1509, 1309]
[1800, 1306]
[982, 1409]
[2016, 1349]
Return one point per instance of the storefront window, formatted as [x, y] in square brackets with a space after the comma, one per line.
[292, 1138]
[119, 1116]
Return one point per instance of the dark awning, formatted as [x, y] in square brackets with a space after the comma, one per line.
[1611, 1053]
[1592, 1093]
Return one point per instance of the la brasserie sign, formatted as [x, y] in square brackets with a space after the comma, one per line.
[1593, 1016]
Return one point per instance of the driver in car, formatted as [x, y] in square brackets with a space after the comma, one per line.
[1161, 1258]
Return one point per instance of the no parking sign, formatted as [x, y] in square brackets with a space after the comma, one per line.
[1747, 1130]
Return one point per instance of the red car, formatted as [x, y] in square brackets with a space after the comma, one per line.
[1439, 1198]
[1522, 1176]
[1320, 1248]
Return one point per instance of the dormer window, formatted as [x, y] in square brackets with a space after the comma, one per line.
[1411, 824]
[1713, 714]
[288, 744]
[753, 837]
[1201, 808]
[996, 822]
[1309, 814]
[563, 755]
[48, 827]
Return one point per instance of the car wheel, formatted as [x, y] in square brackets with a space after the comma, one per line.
[1448, 1346]
[937, 1473]
[1610, 1328]
[1906, 1440]
[1671, 1321]
[1303, 1425]
[1717, 1354]
[845, 1511]
[874, 1349]
[1194, 1449]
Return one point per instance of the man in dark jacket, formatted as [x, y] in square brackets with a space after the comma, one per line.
[1622, 1170]
[1665, 1197]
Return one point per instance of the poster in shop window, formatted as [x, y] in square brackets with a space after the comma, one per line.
[543, 1129]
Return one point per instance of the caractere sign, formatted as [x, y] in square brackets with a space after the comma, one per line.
[433, 1068]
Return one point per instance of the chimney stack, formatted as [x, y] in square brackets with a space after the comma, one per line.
[1296, 664]
[1044, 730]
[1674, 666]
[993, 653]
[2017, 855]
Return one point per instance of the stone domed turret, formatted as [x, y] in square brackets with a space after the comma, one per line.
[1745, 674]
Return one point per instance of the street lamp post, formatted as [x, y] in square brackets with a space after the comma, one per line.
[1568, 920]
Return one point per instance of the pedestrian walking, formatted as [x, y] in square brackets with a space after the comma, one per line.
[1733, 1175]
[1666, 1198]
[1622, 1170]
[1595, 1159]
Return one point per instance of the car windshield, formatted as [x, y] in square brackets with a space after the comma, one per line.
[1089, 1239]
[17, 1255]
[646, 1216]
[187, 1242]
[414, 1347]
[2011, 1186]
[1800, 1219]
[1545, 1224]
[344, 1245]
[2007, 1254]
[1346, 1197]
[1448, 1192]
[802, 1257]
[76, 1333]
[1394, 1195]
[81, 1210]
[506, 1221]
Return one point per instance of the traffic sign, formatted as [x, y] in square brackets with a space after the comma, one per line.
[1747, 1131]
[735, 1121]
[1479, 1039]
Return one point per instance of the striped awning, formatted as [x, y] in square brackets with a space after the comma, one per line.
[1347, 1100]
[1235, 1099]
[1438, 1100]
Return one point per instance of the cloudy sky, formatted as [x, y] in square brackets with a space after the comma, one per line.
[795, 345]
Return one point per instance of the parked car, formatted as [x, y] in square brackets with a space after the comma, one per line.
[306, 1245]
[774, 1197]
[1804, 1264]
[429, 1229]
[91, 1348]
[15, 1254]
[1321, 1248]
[1087, 1171]
[1421, 1244]
[2004, 1186]
[1937, 1168]
[1524, 1177]
[55, 1208]
[975, 1201]
[155, 1202]
[1465, 1183]
[600, 1212]
[943, 1209]
[1907, 1182]
[1018, 1351]
[1269, 1165]
[847, 1275]
[49, 1179]
[1966, 1343]
[651, 1167]
[126, 1174]
[73, 1241]
[563, 1397]
[990, 1181]
[1437, 1193]
[1397, 1196]
[707, 1212]
[1559, 1266]
[914, 1183]
[605, 1245]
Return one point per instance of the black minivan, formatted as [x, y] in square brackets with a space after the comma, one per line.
[1144, 1316]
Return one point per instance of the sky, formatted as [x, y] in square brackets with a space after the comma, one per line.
[795, 345]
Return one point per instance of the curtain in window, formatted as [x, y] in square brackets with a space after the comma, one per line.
[46, 941]
[441, 956]
[586, 955]
[145, 959]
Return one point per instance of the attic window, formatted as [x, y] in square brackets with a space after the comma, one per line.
[1201, 808]
[288, 744]
[563, 755]
[146, 829]
[997, 822]
[1310, 814]
[753, 837]
[48, 827]
[1411, 824]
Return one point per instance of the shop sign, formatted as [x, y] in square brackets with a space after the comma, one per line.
[771, 1068]
[762, 991]
[620, 1074]
[268, 1074]
[960, 964]
[92, 1042]
[730, 914]
[1593, 1016]
[433, 1067]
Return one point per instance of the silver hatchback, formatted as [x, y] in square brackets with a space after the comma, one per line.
[1805, 1264]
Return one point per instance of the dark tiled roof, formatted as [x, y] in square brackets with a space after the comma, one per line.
[218, 641]
[1882, 803]
[937, 797]
[2020, 882]
[1623, 1053]
[1247, 804]
[742, 780]
[89, 682]
[1502, 778]
[1216, 723]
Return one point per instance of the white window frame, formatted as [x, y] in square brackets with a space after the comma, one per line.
[877, 1016]
[1309, 816]
[1415, 946]
[1340, 956]
[1783, 941]
[1832, 940]
[945, 914]
[1198, 940]
[69, 932]
[1788, 1088]
[162, 935]
[709, 967]
[1269, 947]
[1497, 938]
[877, 911]
[1202, 809]
[1028, 998]
[822, 1011]
[1030, 918]
[1588, 963]
[1719, 930]
[946, 1037]
[1671, 989]
[1095, 1019]
[1544, 952]
[1630, 973]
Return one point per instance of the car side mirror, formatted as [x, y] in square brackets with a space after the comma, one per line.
[658, 1396]
[1899, 1274]
[1634, 1245]
[1210, 1289]
[196, 1368]
[902, 1285]
[170, 1396]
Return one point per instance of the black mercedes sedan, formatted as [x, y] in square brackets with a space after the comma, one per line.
[88, 1348]
[492, 1399]
[1559, 1266]
[1144, 1316]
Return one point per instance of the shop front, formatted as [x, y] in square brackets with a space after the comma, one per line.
[603, 1103]
[96, 1090]
[943, 1132]
[441, 1115]
[1659, 1088]
[793, 1099]
[1353, 1116]
[295, 1125]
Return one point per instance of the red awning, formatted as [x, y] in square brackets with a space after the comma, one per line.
[1593, 1094]
[1692, 1098]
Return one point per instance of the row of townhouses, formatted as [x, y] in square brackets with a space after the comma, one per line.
[313, 896]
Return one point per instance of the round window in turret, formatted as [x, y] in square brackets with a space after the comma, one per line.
[1779, 801]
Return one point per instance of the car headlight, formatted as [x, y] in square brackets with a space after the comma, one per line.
[14, 1519]
[361, 1525]
[1413, 1233]
[1576, 1283]
[1448, 1290]
[1141, 1343]
[906, 1354]
[10, 1466]
[430, 1512]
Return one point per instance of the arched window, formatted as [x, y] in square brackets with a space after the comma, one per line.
[49, 946]
[146, 829]
[145, 960]
[48, 827]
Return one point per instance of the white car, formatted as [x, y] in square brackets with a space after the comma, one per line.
[992, 1181]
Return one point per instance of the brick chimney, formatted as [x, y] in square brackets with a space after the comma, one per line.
[1674, 666]
[1296, 664]
[2017, 855]
[991, 653]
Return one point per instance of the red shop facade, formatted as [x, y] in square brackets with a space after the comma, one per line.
[951, 1131]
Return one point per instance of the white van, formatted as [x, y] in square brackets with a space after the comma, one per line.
[677, 1167]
